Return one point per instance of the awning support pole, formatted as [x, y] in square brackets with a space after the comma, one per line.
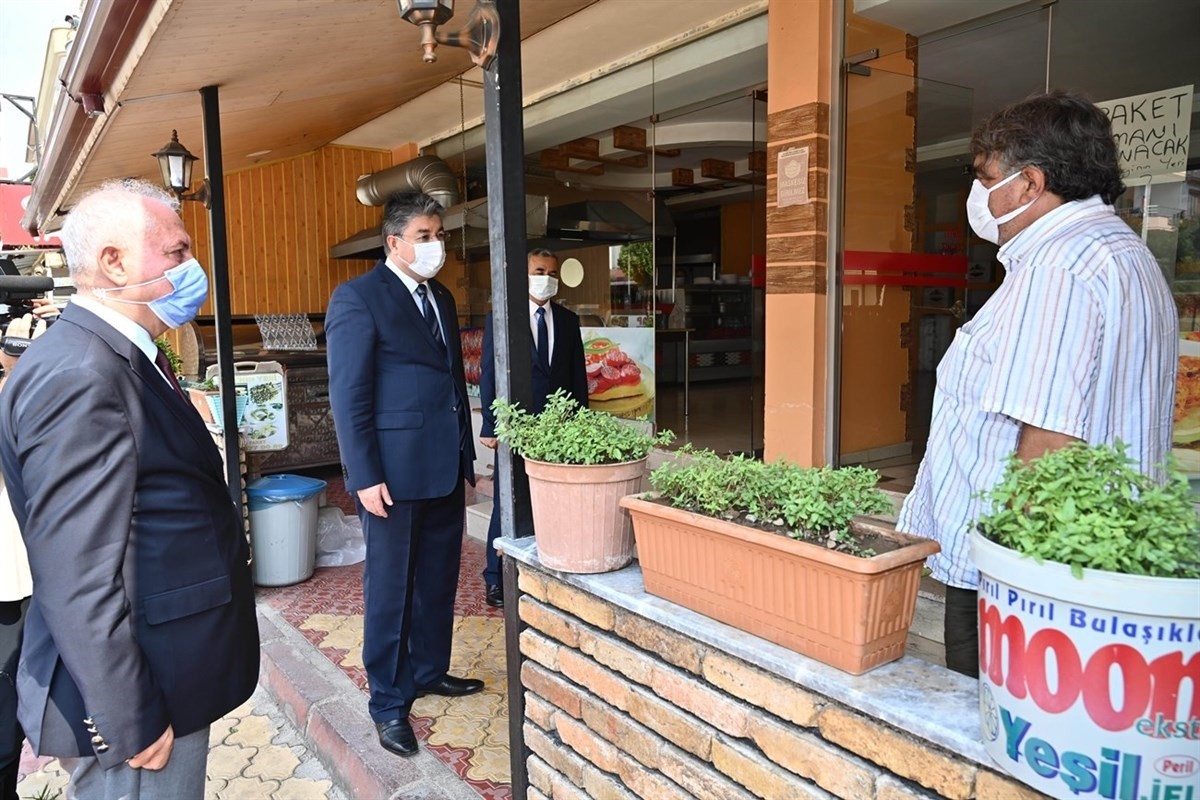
[504, 130]
[214, 171]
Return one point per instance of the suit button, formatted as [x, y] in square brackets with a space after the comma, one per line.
[454, 408]
[101, 748]
[89, 721]
[97, 739]
[92, 730]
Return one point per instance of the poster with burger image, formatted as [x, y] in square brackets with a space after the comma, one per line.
[1185, 440]
[620, 370]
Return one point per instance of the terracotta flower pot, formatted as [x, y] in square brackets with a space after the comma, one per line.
[849, 612]
[577, 517]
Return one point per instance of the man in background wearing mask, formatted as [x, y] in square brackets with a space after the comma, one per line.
[400, 408]
[141, 630]
[557, 357]
[1079, 342]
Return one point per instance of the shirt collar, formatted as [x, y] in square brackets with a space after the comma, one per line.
[409, 283]
[1014, 251]
[123, 324]
[533, 307]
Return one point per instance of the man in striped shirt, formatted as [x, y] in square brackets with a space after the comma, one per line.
[1079, 342]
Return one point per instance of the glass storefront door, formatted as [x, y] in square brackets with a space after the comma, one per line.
[906, 174]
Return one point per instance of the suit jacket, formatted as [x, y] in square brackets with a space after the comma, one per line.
[399, 398]
[143, 608]
[567, 368]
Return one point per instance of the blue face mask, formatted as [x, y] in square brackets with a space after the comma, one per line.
[179, 306]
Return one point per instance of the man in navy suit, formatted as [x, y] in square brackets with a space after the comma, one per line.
[400, 407]
[141, 630]
[557, 355]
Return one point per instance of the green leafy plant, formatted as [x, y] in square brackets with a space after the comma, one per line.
[564, 433]
[636, 261]
[172, 357]
[1089, 507]
[815, 504]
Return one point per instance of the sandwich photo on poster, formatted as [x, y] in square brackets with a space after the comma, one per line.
[1185, 440]
[620, 370]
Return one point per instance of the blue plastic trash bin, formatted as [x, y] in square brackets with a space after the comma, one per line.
[283, 528]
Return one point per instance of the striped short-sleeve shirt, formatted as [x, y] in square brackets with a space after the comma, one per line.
[1081, 338]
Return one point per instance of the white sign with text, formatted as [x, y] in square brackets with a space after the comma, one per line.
[1152, 131]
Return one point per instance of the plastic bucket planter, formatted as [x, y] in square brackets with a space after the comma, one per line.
[1089, 688]
[283, 528]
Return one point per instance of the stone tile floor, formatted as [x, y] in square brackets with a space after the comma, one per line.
[255, 754]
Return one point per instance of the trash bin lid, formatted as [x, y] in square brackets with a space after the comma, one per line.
[278, 488]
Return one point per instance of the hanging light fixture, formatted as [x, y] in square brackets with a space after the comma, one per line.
[175, 163]
[479, 37]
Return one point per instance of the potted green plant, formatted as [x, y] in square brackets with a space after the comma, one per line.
[580, 462]
[1089, 626]
[782, 551]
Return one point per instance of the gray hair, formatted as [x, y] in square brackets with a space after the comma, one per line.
[402, 208]
[542, 252]
[112, 214]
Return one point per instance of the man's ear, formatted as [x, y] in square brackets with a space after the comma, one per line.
[111, 265]
[1035, 183]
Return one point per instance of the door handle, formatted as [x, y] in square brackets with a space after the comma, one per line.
[958, 310]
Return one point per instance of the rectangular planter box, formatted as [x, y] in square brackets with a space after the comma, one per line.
[849, 612]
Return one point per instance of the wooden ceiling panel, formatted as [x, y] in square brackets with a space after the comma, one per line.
[293, 76]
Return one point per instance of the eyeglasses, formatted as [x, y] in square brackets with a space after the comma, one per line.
[441, 236]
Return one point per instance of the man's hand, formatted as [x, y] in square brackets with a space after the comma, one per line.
[375, 499]
[156, 755]
[489, 442]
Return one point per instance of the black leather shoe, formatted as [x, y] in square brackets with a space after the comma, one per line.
[495, 596]
[397, 737]
[450, 686]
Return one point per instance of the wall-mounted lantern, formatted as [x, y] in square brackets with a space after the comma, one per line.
[175, 163]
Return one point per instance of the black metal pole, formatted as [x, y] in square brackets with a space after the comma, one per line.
[504, 129]
[214, 171]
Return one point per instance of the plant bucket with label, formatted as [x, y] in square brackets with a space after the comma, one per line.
[1089, 687]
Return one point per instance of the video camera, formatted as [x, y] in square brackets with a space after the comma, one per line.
[17, 293]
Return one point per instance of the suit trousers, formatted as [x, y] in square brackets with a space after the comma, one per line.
[962, 631]
[12, 621]
[181, 779]
[410, 579]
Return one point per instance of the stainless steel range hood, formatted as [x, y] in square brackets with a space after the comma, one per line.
[468, 220]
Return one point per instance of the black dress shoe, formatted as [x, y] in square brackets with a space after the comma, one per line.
[450, 686]
[495, 596]
[397, 736]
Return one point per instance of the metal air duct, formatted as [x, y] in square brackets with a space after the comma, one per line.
[428, 174]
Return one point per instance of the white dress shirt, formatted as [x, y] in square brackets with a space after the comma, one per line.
[126, 327]
[412, 285]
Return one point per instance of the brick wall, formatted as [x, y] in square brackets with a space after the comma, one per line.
[618, 707]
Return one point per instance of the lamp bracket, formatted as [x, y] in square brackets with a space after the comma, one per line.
[203, 195]
[479, 37]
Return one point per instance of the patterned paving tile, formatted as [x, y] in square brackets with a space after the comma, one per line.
[469, 734]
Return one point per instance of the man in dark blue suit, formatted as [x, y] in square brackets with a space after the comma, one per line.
[557, 356]
[141, 630]
[399, 403]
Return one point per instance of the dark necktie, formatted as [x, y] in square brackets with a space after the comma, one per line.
[430, 317]
[164, 366]
[543, 340]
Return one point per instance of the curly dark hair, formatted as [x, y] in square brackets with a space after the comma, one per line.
[1063, 134]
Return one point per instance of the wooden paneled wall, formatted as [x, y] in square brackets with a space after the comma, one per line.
[282, 219]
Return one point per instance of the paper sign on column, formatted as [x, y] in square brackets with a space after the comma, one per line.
[792, 177]
[1152, 131]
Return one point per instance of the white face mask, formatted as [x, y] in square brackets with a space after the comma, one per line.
[986, 226]
[542, 287]
[428, 258]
